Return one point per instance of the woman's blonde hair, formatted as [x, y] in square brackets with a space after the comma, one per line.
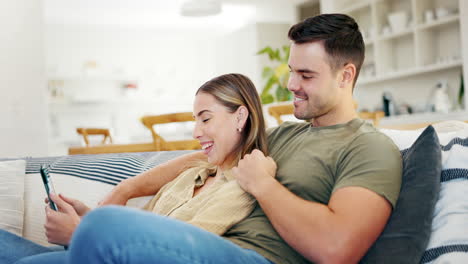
[234, 90]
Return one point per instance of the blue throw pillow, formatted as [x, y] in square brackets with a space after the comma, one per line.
[407, 232]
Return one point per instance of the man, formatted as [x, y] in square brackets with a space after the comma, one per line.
[331, 196]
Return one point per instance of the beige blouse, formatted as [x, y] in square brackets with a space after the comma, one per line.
[215, 209]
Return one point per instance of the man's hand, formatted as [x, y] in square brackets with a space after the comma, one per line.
[61, 224]
[254, 171]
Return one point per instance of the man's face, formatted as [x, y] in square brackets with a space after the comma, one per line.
[315, 87]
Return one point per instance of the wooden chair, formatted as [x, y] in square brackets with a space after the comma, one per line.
[278, 110]
[85, 132]
[162, 144]
[374, 116]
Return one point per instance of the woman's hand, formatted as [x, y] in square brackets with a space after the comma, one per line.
[61, 224]
[80, 208]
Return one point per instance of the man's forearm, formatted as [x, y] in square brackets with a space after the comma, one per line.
[290, 216]
[324, 233]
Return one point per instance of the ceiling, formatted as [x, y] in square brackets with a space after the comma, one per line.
[159, 13]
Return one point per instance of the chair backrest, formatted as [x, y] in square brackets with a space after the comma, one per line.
[288, 109]
[278, 110]
[374, 116]
[85, 132]
[159, 142]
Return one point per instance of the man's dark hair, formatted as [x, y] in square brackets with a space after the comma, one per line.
[340, 36]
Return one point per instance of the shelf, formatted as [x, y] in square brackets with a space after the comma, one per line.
[93, 78]
[102, 101]
[396, 35]
[356, 7]
[423, 117]
[439, 22]
[410, 72]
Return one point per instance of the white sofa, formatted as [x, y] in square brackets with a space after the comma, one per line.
[90, 177]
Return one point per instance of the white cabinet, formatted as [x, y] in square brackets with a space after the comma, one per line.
[410, 45]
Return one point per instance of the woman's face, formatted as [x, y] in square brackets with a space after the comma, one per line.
[216, 129]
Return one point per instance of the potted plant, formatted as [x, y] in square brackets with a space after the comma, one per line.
[276, 77]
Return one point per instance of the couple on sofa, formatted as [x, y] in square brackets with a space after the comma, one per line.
[320, 192]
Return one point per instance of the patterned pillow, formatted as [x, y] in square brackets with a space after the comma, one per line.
[11, 196]
[449, 237]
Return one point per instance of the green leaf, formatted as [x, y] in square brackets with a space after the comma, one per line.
[269, 84]
[276, 77]
[284, 79]
[264, 50]
[267, 72]
[286, 50]
[282, 94]
[267, 99]
[268, 50]
[277, 55]
[281, 71]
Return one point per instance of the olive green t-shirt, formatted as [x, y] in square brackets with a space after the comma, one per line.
[314, 162]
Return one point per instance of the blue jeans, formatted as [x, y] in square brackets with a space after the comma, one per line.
[13, 248]
[116, 234]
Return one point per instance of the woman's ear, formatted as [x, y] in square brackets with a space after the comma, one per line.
[242, 115]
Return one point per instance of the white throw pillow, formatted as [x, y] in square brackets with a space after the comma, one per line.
[11, 196]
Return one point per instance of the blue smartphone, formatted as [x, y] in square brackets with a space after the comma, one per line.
[49, 187]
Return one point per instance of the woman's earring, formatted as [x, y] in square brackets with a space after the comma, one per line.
[239, 129]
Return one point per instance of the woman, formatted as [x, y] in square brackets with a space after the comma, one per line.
[229, 124]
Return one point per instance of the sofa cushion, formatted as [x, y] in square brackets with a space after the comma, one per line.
[11, 195]
[407, 232]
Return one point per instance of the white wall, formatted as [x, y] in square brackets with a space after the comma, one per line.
[168, 67]
[236, 52]
[161, 61]
[23, 111]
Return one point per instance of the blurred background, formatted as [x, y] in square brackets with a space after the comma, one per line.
[87, 63]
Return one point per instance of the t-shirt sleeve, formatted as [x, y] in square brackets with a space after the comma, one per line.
[371, 161]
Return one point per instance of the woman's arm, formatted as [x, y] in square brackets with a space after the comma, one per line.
[61, 225]
[149, 182]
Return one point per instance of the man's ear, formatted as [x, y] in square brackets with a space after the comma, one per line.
[242, 115]
[348, 74]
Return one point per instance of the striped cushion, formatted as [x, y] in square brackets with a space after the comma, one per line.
[105, 168]
[449, 238]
